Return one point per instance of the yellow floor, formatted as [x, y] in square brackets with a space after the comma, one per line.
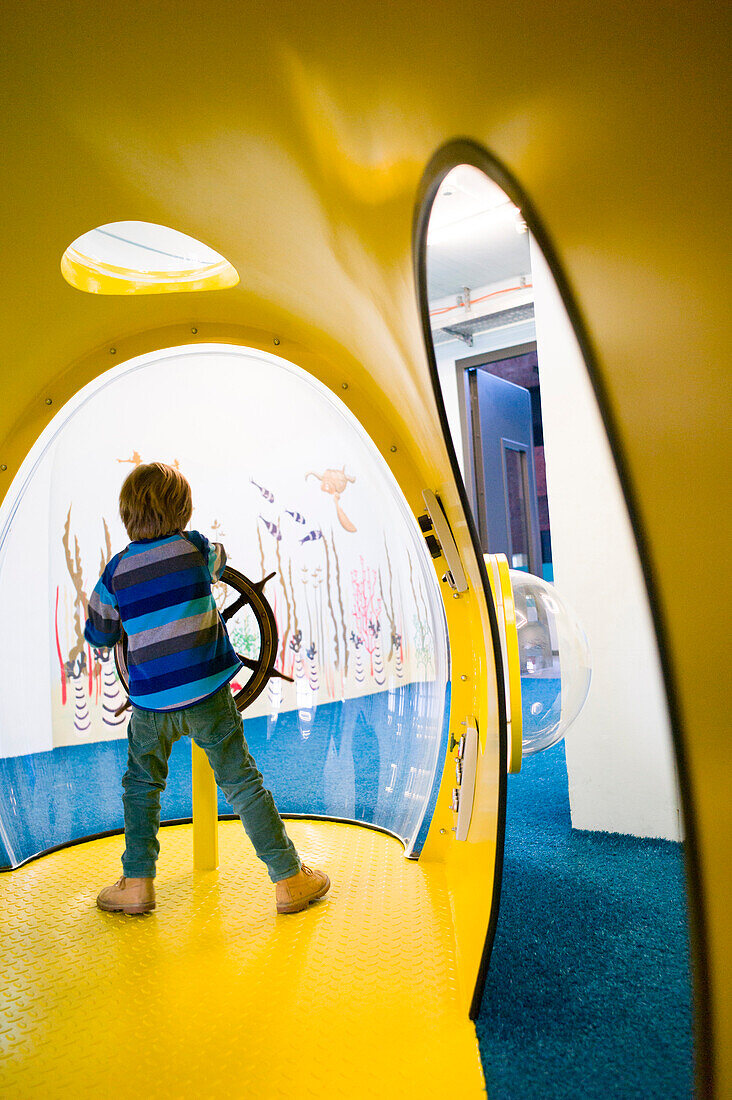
[214, 995]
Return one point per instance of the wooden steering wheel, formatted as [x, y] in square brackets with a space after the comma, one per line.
[262, 668]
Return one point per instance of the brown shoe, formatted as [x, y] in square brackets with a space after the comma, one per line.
[296, 892]
[128, 895]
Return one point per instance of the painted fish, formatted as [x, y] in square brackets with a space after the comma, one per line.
[336, 482]
[311, 536]
[296, 516]
[265, 492]
[332, 481]
[272, 528]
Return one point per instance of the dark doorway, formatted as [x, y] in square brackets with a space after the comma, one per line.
[517, 365]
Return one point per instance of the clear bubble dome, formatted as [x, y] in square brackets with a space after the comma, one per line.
[554, 655]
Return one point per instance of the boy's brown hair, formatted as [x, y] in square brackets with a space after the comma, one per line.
[155, 501]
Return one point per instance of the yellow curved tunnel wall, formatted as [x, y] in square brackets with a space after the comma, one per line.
[292, 139]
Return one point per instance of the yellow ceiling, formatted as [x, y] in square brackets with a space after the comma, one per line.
[292, 137]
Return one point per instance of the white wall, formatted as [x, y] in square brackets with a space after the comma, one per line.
[620, 758]
[25, 653]
[622, 774]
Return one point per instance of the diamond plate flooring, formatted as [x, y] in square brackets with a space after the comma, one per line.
[214, 995]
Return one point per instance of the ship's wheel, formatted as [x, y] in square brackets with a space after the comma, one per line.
[261, 667]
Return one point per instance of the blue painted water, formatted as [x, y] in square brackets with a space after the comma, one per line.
[375, 759]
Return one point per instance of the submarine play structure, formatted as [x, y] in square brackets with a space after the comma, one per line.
[216, 237]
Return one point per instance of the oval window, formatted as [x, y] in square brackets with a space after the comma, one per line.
[531, 453]
[544, 492]
[143, 258]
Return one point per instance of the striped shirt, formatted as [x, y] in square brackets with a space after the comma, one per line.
[159, 590]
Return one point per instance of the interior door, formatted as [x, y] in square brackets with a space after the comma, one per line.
[503, 478]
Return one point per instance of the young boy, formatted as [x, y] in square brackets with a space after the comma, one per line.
[180, 661]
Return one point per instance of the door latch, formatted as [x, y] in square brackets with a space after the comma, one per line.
[466, 767]
[439, 539]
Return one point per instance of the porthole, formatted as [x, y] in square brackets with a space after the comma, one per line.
[143, 258]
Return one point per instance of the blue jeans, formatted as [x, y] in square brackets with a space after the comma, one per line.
[215, 724]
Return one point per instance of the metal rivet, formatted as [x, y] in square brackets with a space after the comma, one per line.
[442, 832]
[344, 385]
[393, 449]
[194, 331]
[456, 595]
[49, 401]
[463, 677]
[3, 467]
[112, 351]
[276, 341]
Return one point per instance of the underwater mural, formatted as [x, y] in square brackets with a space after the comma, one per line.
[339, 636]
[349, 604]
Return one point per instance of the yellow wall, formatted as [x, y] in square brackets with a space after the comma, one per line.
[292, 137]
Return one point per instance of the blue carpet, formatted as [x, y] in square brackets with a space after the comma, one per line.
[588, 993]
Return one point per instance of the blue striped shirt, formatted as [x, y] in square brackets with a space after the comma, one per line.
[159, 590]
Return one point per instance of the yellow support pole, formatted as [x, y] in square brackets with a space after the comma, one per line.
[205, 813]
